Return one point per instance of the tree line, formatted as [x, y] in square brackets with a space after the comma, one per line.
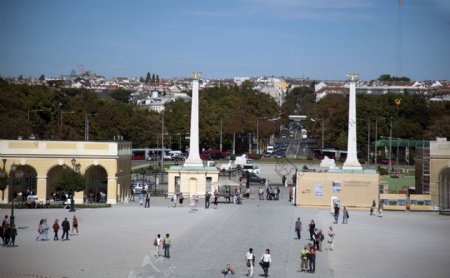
[239, 113]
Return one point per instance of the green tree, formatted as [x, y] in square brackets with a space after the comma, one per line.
[42, 77]
[153, 78]
[141, 79]
[148, 78]
[70, 181]
[157, 78]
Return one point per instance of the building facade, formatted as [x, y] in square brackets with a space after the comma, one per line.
[106, 167]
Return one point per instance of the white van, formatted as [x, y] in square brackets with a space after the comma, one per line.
[270, 149]
[252, 168]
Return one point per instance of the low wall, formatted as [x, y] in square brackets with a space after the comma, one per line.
[349, 189]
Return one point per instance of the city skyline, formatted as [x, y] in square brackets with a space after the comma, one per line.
[296, 38]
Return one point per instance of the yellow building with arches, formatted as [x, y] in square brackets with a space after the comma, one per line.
[106, 167]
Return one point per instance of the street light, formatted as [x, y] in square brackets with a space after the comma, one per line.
[76, 167]
[323, 131]
[62, 113]
[3, 176]
[16, 174]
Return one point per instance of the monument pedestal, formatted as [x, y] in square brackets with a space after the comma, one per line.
[191, 180]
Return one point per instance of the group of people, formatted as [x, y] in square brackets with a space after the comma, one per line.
[264, 262]
[308, 252]
[380, 208]
[43, 229]
[345, 215]
[8, 232]
[271, 193]
[164, 243]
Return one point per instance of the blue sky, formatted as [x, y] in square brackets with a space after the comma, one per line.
[321, 39]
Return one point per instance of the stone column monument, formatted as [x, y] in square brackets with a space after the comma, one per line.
[192, 178]
[352, 163]
[194, 154]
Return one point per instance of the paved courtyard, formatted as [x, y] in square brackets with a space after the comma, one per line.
[117, 242]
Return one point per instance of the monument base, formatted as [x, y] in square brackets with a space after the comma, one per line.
[356, 188]
[191, 180]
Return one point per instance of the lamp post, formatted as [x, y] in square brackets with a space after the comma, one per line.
[322, 124]
[76, 167]
[16, 174]
[3, 176]
[62, 113]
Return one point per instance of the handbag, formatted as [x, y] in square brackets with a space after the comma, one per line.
[261, 263]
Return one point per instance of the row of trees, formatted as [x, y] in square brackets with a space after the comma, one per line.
[150, 79]
[60, 114]
[415, 118]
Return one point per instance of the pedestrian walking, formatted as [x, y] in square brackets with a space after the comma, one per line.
[66, 228]
[157, 245]
[304, 258]
[12, 235]
[330, 239]
[147, 199]
[39, 237]
[372, 208]
[336, 213]
[166, 245]
[216, 198]
[291, 193]
[44, 229]
[141, 199]
[174, 200]
[227, 272]
[265, 262]
[56, 229]
[312, 227]
[312, 258]
[283, 180]
[320, 238]
[261, 193]
[345, 216]
[207, 198]
[74, 225]
[250, 261]
[181, 199]
[298, 228]
[2, 234]
[380, 209]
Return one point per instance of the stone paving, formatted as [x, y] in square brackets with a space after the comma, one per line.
[117, 242]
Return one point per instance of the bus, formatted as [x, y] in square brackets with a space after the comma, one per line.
[150, 154]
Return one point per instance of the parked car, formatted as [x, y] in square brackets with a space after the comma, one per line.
[252, 168]
[254, 178]
[138, 186]
[385, 161]
[214, 154]
[279, 154]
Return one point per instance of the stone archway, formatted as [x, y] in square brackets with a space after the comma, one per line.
[444, 190]
[52, 177]
[96, 184]
[26, 184]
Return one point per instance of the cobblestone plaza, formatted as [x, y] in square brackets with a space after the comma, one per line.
[117, 242]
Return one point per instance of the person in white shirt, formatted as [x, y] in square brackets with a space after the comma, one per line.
[157, 245]
[265, 262]
[250, 261]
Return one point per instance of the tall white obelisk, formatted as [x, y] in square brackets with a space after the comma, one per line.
[352, 163]
[194, 154]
